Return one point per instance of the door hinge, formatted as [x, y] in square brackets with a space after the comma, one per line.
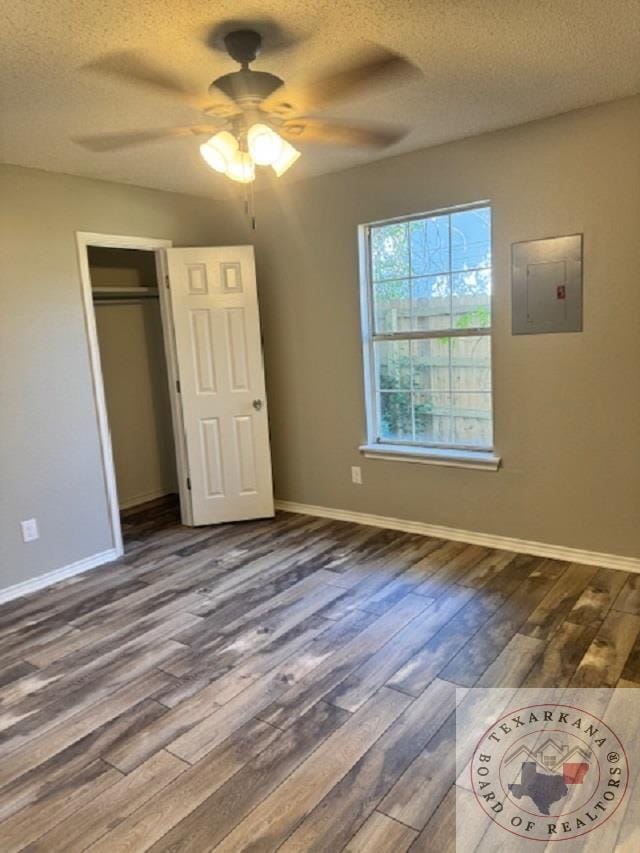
[178, 386]
[189, 483]
[166, 281]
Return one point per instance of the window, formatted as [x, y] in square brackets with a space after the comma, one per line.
[427, 331]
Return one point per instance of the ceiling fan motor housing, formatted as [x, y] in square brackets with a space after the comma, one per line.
[247, 85]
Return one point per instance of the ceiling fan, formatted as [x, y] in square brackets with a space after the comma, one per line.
[256, 115]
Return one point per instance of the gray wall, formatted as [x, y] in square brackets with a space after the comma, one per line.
[50, 464]
[567, 407]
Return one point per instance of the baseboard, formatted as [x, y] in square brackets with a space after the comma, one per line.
[505, 543]
[145, 498]
[42, 581]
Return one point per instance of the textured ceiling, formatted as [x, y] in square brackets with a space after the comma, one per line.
[487, 64]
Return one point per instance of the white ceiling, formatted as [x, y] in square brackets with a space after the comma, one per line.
[487, 64]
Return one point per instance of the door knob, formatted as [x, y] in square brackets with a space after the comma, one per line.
[257, 405]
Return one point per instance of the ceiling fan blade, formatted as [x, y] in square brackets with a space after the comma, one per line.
[134, 68]
[376, 67]
[335, 133]
[115, 141]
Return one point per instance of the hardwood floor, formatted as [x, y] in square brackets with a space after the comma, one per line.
[280, 684]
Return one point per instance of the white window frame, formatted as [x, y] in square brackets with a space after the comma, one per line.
[434, 454]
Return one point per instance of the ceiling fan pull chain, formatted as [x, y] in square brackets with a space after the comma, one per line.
[252, 207]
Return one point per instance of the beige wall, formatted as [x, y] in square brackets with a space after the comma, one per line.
[50, 465]
[567, 406]
[135, 377]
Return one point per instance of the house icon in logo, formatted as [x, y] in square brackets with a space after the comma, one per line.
[550, 754]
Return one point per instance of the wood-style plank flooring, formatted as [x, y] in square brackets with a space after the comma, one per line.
[280, 684]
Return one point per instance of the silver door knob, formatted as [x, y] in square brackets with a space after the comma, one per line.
[257, 405]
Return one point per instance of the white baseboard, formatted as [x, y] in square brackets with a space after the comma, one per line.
[505, 543]
[41, 581]
[147, 496]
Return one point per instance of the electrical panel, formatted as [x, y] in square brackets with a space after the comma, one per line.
[546, 285]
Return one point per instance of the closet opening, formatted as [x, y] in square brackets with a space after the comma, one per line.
[128, 324]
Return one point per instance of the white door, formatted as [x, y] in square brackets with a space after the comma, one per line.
[221, 390]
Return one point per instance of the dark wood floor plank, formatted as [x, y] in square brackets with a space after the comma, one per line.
[420, 670]
[439, 835]
[52, 775]
[232, 802]
[628, 599]
[271, 822]
[353, 798]
[336, 668]
[604, 661]
[413, 799]
[28, 825]
[323, 646]
[474, 658]
[381, 834]
[561, 657]
[115, 803]
[596, 600]
[382, 666]
[549, 615]
[42, 747]
[281, 683]
[513, 664]
[156, 817]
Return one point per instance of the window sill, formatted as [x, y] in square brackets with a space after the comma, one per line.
[482, 460]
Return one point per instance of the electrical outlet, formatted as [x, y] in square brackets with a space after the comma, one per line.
[356, 475]
[29, 530]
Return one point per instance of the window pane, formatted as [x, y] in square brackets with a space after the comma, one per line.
[471, 364]
[429, 241]
[392, 306]
[471, 299]
[471, 239]
[390, 251]
[393, 365]
[430, 303]
[432, 414]
[395, 415]
[430, 364]
[472, 418]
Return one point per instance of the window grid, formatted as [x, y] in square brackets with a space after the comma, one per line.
[372, 336]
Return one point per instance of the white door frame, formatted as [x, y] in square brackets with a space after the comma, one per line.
[84, 239]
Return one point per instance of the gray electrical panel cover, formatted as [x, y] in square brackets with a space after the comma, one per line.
[546, 285]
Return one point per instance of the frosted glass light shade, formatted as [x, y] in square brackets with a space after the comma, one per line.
[240, 168]
[219, 151]
[287, 158]
[265, 145]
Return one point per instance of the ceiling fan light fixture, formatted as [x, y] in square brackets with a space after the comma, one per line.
[265, 145]
[219, 151]
[287, 158]
[241, 168]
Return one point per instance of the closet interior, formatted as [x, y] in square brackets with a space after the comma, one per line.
[127, 310]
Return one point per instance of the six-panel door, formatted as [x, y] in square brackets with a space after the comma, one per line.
[222, 392]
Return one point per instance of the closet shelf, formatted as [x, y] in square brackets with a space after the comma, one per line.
[109, 294]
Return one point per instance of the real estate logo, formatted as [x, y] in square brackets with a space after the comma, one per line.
[549, 772]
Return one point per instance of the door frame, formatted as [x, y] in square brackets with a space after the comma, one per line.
[85, 239]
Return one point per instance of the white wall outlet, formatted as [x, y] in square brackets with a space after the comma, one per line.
[356, 474]
[29, 530]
